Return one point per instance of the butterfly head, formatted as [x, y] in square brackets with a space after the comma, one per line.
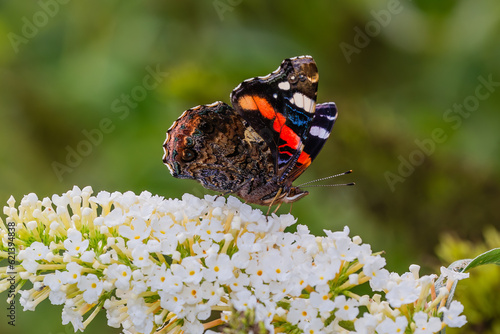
[286, 194]
[294, 194]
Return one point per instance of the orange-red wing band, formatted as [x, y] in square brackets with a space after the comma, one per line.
[254, 102]
[289, 137]
[304, 159]
[247, 102]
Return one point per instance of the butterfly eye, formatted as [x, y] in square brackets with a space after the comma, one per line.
[206, 127]
[188, 155]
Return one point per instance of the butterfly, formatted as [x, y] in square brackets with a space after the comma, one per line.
[259, 146]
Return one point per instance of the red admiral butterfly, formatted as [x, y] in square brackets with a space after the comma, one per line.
[257, 149]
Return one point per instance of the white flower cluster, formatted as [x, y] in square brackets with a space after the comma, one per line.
[172, 264]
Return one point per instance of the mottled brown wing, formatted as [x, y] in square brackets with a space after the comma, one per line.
[213, 145]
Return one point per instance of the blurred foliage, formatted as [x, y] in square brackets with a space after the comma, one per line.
[479, 293]
[65, 66]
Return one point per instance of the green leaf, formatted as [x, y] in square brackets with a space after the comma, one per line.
[489, 257]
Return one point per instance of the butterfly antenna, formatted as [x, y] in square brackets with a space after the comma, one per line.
[327, 178]
[330, 185]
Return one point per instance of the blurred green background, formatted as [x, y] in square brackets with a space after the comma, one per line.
[416, 84]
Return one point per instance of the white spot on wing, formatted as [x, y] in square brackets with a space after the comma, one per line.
[309, 105]
[302, 101]
[329, 117]
[214, 104]
[319, 132]
[284, 85]
[300, 57]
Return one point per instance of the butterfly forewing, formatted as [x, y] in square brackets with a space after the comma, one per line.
[319, 131]
[280, 106]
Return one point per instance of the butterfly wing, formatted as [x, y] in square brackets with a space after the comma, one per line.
[213, 145]
[321, 127]
[280, 107]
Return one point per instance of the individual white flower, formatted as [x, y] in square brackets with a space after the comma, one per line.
[121, 273]
[69, 314]
[372, 265]
[243, 300]
[136, 232]
[193, 327]
[171, 302]
[91, 287]
[139, 315]
[315, 326]
[405, 292]
[278, 266]
[138, 286]
[389, 326]
[261, 291]
[239, 282]
[140, 254]
[298, 281]
[211, 229]
[301, 310]
[57, 297]
[453, 275]
[73, 273]
[278, 290]
[257, 272]
[189, 270]
[37, 251]
[27, 300]
[173, 283]
[158, 278]
[211, 292]
[347, 308]
[241, 259]
[219, 267]
[325, 269]
[169, 243]
[75, 244]
[105, 258]
[54, 281]
[161, 226]
[451, 315]
[191, 293]
[343, 248]
[88, 256]
[115, 218]
[367, 323]
[321, 298]
[247, 243]
[205, 248]
[126, 200]
[425, 325]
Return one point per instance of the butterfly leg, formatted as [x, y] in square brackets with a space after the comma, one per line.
[279, 205]
[272, 202]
